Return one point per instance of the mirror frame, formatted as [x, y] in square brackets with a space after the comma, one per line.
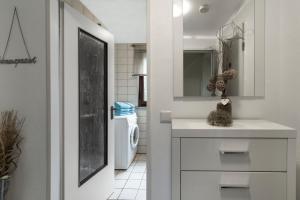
[259, 48]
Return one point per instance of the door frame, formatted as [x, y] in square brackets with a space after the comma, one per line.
[55, 74]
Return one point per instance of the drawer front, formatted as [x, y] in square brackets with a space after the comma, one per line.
[230, 185]
[233, 154]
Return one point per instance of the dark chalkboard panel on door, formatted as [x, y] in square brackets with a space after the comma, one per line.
[92, 54]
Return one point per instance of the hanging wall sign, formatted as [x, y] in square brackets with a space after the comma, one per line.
[16, 61]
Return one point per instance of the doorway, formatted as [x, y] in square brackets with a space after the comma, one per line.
[127, 84]
[131, 139]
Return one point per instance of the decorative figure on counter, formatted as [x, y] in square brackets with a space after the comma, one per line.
[16, 61]
[218, 84]
[223, 115]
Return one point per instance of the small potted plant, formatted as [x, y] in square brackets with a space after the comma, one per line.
[10, 151]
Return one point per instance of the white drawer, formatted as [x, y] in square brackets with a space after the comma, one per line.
[233, 154]
[229, 186]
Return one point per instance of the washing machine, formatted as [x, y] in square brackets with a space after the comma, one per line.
[126, 140]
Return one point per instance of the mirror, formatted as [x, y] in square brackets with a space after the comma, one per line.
[213, 38]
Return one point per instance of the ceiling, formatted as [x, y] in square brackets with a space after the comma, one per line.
[125, 19]
[206, 25]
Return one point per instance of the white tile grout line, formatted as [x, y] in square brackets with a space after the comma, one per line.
[134, 163]
[127, 179]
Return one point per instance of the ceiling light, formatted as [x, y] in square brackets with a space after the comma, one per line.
[187, 37]
[204, 8]
[186, 7]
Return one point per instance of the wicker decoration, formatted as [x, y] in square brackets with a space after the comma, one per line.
[211, 87]
[223, 115]
[219, 118]
[220, 84]
[226, 108]
[230, 74]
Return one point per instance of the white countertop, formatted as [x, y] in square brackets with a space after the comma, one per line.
[240, 128]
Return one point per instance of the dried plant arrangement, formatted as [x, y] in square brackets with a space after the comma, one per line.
[222, 116]
[10, 140]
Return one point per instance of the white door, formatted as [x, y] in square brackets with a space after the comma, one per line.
[88, 164]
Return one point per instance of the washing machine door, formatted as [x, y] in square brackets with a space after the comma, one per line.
[134, 136]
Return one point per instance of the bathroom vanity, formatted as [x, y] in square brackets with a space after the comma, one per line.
[252, 160]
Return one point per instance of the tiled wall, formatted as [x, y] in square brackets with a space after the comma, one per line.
[142, 123]
[126, 87]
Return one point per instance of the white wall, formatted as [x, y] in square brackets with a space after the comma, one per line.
[196, 43]
[80, 7]
[282, 58]
[246, 79]
[125, 19]
[290, 70]
[25, 88]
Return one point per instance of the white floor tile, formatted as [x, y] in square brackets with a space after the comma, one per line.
[143, 185]
[142, 157]
[124, 175]
[130, 169]
[133, 184]
[133, 163]
[139, 169]
[128, 194]
[140, 163]
[115, 194]
[141, 195]
[145, 176]
[130, 184]
[119, 184]
[136, 176]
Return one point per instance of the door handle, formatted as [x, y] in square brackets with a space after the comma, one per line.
[228, 152]
[233, 186]
[233, 148]
[112, 109]
[234, 181]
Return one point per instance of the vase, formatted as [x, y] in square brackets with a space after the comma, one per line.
[4, 183]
